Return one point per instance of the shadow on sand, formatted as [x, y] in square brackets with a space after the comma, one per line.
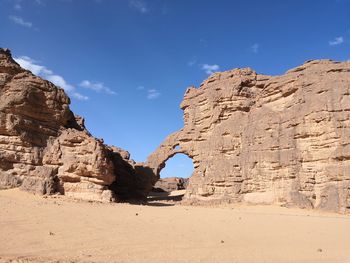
[175, 196]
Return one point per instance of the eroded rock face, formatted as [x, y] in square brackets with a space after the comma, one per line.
[170, 184]
[263, 139]
[45, 149]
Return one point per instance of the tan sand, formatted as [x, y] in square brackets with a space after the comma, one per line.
[35, 229]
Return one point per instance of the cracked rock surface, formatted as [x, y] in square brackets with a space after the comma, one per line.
[45, 148]
[268, 139]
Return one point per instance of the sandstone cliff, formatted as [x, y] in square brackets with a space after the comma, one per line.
[268, 139]
[45, 149]
[252, 138]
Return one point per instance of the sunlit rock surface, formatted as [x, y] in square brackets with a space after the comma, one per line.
[45, 149]
[268, 139]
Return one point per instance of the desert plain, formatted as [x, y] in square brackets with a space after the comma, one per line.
[57, 229]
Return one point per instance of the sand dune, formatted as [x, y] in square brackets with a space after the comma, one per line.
[54, 229]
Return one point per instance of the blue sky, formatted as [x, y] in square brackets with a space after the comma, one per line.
[126, 64]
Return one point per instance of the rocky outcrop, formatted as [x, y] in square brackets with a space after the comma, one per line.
[252, 138]
[170, 184]
[45, 149]
[268, 139]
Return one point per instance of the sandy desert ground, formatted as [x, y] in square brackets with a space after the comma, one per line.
[54, 229]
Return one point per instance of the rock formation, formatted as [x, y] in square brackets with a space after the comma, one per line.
[268, 139]
[45, 149]
[252, 138]
[170, 184]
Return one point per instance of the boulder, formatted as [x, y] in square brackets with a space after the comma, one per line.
[170, 184]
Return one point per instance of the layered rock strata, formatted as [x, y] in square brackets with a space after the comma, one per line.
[45, 149]
[268, 139]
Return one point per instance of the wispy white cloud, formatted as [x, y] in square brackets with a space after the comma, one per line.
[152, 94]
[139, 5]
[255, 48]
[192, 62]
[44, 72]
[96, 86]
[336, 41]
[20, 21]
[31, 64]
[79, 96]
[17, 6]
[61, 82]
[210, 69]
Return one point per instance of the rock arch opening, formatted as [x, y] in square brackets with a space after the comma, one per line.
[174, 174]
[179, 165]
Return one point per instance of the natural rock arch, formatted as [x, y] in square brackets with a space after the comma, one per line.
[268, 139]
[168, 149]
